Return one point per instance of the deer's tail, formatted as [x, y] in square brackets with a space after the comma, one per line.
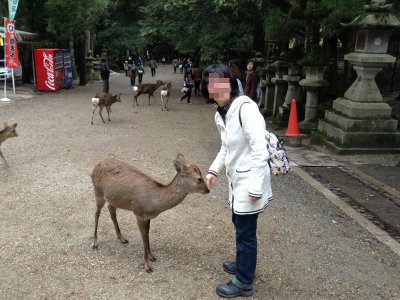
[95, 101]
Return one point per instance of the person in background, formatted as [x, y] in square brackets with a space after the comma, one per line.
[175, 64]
[189, 65]
[105, 75]
[181, 65]
[132, 74]
[153, 66]
[196, 73]
[139, 61]
[244, 156]
[140, 73]
[126, 67]
[185, 65]
[187, 88]
[130, 62]
[236, 74]
[252, 81]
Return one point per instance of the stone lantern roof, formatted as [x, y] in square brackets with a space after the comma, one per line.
[375, 15]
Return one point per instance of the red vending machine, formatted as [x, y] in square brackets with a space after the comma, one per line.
[49, 69]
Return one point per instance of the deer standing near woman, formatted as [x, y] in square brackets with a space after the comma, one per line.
[123, 186]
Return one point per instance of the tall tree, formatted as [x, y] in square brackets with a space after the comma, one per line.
[64, 28]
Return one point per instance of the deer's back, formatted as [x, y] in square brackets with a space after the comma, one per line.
[103, 95]
[123, 185]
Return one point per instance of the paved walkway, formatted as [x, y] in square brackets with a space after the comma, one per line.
[308, 248]
[382, 170]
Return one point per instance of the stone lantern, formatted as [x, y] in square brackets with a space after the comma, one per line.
[360, 121]
[314, 64]
[269, 93]
[281, 68]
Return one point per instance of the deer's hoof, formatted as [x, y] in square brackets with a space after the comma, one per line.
[149, 270]
[95, 247]
[124, 241]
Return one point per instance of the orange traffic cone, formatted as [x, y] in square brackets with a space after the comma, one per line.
[293, 126]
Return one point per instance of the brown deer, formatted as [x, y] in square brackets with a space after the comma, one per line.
[8, 131]
[146, 88]
[165, 91]
[123, 186]
[104, 100]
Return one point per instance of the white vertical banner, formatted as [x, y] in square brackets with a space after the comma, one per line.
[12, 8]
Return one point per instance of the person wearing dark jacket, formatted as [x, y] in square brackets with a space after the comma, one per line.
[105, 75]
[252, 81]
[187, 87]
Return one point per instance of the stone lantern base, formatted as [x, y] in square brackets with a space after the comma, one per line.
[363, 134]
[360, 121]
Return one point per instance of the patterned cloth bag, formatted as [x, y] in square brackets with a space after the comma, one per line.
[278, 158]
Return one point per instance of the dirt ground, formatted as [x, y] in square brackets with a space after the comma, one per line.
[308, 249]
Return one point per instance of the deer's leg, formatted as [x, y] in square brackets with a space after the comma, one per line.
[2, 157]
[113, 214]
[99, 203]
[144, 226]
[94, 109]
[135, 99]
[101, 108]
[108, 108]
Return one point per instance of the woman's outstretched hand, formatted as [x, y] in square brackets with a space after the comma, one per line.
[211, 180]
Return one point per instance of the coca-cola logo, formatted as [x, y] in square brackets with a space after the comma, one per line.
[48, 63]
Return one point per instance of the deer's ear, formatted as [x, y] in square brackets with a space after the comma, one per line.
[180, 163]
[181, 158]
[178, 166]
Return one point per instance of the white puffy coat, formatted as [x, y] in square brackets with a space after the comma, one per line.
[245, 156]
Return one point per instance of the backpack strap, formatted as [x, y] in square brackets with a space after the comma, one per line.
[240, 109]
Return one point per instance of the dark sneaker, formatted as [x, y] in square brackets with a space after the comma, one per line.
[229, 290]
[229, 267]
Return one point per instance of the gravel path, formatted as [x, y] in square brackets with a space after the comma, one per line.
[308, 249]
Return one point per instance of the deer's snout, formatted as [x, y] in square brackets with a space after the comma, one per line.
[206, 190]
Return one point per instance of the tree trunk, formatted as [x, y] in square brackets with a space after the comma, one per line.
[258, 35]
[80, 54]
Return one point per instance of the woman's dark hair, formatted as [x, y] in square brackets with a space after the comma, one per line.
[220, 69]
[255, 65]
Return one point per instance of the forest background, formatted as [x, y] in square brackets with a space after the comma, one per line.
[206, 30]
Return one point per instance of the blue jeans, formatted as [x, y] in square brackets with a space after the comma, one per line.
[246, 247]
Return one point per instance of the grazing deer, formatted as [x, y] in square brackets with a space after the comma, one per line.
[123, 186]
[104, 99]
[165, 91]
[8, 131]
[146, 88]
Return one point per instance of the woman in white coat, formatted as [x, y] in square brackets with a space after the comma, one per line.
[244, 155]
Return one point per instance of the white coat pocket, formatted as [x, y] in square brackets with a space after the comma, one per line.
[240, 184]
